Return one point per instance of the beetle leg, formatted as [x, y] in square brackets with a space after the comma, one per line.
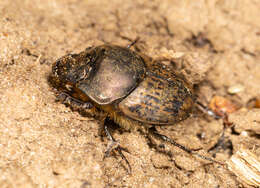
[115, 146]
[67, 99]
[226, 123]
[133, 43]
[154, 132]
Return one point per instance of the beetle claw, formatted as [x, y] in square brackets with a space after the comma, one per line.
[119, 150]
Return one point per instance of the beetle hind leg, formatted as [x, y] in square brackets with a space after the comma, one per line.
[164, 138]
[114, 145]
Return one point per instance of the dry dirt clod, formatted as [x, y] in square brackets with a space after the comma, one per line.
[221, 105]
[246, 166]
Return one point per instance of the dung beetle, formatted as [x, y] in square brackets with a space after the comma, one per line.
[128, 87]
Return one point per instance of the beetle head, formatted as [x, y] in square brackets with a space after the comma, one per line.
[71, 68]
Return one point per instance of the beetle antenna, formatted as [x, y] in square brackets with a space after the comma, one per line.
[154, 132]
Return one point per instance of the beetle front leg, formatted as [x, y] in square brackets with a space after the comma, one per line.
[73, 102]
[114, 145]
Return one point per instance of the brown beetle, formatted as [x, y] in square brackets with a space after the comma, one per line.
[128, 87]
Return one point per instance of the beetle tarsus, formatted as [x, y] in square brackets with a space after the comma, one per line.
[115, 146]
[154, 132]
[206, 110]
[226, 123]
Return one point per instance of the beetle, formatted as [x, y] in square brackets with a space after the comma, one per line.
[128, 87]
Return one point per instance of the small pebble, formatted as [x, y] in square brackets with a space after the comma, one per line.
[244, 133]
[257, 103]
[236, 89]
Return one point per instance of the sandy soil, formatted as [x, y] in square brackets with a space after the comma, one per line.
[43, 143]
